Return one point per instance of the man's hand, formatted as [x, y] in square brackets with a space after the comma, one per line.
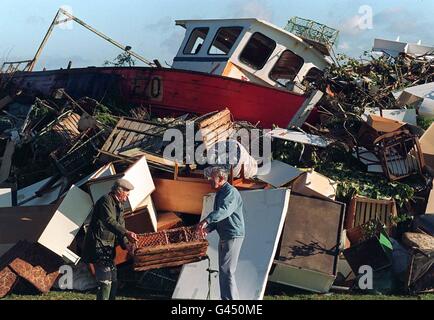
[201, 228]
[130, 249]
[132, 237]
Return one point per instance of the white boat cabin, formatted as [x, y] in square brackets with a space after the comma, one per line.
[250, 50]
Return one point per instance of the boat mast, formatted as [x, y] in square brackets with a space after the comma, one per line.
[82, 23]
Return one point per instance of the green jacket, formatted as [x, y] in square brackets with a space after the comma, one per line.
[106, 230]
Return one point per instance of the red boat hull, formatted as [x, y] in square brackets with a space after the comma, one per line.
[170, 90]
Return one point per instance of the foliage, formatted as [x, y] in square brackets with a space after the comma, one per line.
[104, 116]
[352, 181]
[424, 122]
[122, 60]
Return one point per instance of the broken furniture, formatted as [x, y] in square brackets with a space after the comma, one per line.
[307, 257]
[427, 146]
[215, 127]
[264, 216]
[422, 97]
[400, 154]
[30, 262]
[420, 277]
[132, 137]
[313, 184]
[169, 248]
[362, 210]
[401, 115]
[65, 224]
[384, 125]
[373, 248]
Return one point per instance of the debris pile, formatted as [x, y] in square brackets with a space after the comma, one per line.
[349, 187]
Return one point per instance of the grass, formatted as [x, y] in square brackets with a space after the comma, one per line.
[54, 295]
[273, 292]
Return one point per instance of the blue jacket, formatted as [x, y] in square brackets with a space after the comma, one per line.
[227, 217]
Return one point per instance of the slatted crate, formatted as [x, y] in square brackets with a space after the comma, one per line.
[362, 210]
[169, 248]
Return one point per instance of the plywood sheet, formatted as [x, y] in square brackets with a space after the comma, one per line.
[300, 137]
[312, 233]
[279, 174]
[180, 196]
[23, 223]
[66, 222]
[265, 212]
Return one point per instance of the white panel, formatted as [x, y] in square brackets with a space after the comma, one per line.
[29, 192]
[106, 171]
[100, 189]
[279, 174]
[5, 197]
[402, 115]
[66, 222]
[265, 212]
[140, 176]
[300, 137]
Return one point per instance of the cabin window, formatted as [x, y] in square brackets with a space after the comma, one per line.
[197, 38]
[287, 67]
[257, 51]
[313, 75]
[225, 40]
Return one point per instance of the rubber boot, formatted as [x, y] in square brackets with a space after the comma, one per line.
[113, 290]
[104, 290]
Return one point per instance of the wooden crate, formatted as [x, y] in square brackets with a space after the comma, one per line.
[362, 210]
[169, 248]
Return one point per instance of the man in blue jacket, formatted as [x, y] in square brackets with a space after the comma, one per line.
[227, 219]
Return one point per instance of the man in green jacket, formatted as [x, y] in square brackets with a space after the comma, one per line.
[228, 220]
[105, 232]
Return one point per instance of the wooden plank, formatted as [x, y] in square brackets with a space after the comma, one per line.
[223, 120]
[216, 133]
[119, 135]
[170, 257]
[171, 248]
[167, 220]
[167, 265]
[214, 118]
[112, 136]
[134, 126]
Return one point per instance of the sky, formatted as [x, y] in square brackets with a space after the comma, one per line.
[148, 26]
